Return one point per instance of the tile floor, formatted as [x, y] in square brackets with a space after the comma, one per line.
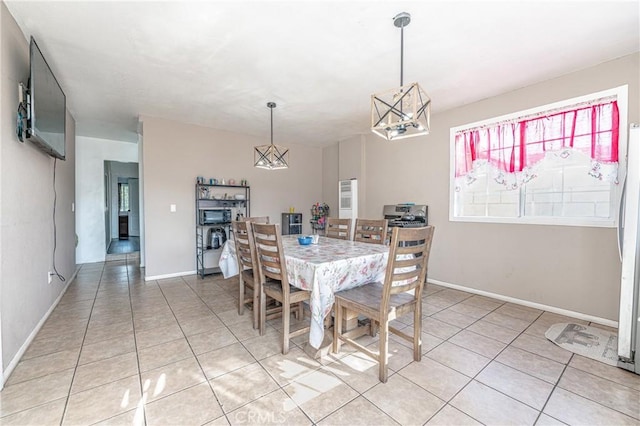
[118, 350]
[128, 245]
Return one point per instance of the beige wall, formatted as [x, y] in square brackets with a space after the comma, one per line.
[27, 197]
[352, 164]
[330, 179]
[174, 154]
[571, 268]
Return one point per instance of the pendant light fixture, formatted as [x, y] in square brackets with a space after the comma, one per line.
[405, 111]
[271, 157]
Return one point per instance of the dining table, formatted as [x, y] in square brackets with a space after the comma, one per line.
[323, 268]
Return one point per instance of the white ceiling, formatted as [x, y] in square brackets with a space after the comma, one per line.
[218, 63]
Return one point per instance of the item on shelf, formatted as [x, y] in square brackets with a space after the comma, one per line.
[200, 180]
[216, 238]
[204, 192]
[239, 197]
[232, 181]
[222, 182]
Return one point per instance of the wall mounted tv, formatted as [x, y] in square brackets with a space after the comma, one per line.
[47, 106]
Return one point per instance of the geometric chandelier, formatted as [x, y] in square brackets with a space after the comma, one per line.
[271, 157]
[405, 111]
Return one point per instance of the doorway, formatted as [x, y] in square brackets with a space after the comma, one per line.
[122, 212]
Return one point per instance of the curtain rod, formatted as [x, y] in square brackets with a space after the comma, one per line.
[547, 113]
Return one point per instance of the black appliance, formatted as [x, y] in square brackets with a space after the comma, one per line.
[406, 215]
[291, 223]
[214, 216]
[46, 109]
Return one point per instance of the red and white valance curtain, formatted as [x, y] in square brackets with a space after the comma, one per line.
[514, 149]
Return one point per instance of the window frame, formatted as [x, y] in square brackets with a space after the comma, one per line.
[621, 94]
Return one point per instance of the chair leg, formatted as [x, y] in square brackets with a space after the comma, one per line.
[286, 320]
[297, 311]
[328, 320]
[417, 334]
[383, 356]
[263, 311]
[256, 305]
[241, 296]
[373, 327]
[337, 327]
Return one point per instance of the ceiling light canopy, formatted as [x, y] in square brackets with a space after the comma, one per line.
[405, 111]
[271, 157]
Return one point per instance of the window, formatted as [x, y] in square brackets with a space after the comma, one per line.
[123, 197]
[557, 164]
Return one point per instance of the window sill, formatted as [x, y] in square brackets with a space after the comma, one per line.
[553, 221]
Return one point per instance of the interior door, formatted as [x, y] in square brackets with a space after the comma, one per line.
[134, 207]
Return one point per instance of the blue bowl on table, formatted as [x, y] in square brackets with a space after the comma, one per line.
[305, 241]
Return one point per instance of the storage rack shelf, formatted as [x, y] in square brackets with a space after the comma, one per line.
[207, 257]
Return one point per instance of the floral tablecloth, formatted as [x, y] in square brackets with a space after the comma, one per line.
[330, 266]
[327, 267]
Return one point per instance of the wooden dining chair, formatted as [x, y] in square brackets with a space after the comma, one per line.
[246, 255]
[338, 228]
[249, 288]
[372, 231]
[391, 299]
[274, 282]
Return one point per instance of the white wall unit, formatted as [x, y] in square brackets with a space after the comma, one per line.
[348, 201]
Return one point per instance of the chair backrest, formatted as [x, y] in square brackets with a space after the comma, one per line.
[269, 254]
[258, 219]
[371, 231]
[245, 248]
[338, 228]
[408, 262]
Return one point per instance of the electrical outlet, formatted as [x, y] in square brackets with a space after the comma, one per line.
[50, 276]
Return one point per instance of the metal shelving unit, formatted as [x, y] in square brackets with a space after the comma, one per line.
[207, 257]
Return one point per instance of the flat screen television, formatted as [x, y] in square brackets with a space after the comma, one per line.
[47, 106]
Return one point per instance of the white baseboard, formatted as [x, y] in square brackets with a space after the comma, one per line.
[16, 359]
[174, 275]
[553, 309]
